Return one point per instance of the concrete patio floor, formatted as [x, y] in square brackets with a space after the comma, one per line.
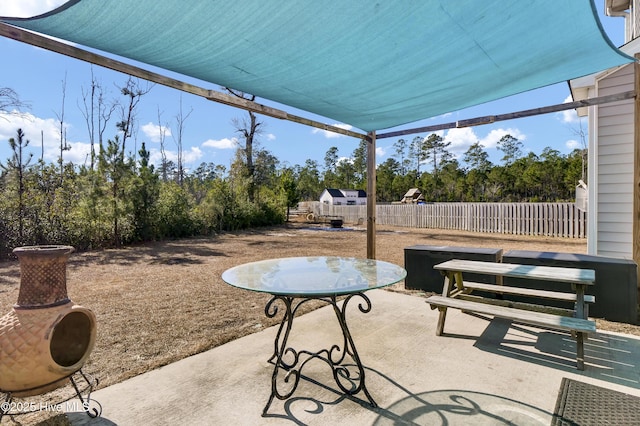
[482, 371]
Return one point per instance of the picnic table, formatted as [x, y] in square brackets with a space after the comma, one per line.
[461, 294]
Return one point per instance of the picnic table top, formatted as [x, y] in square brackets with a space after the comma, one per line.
[546, 273]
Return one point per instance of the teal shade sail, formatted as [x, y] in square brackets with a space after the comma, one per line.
[370, 64]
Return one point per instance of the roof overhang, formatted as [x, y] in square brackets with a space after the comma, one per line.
[614, 7]
[581, 88]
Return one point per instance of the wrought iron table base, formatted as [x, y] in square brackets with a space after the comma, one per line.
[288, 362]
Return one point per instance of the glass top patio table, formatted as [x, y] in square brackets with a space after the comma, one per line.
[314, 275]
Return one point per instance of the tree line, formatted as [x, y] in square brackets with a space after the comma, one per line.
[118, 197]
[427, 164]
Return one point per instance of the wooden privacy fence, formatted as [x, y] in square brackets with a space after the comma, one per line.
[548, 219]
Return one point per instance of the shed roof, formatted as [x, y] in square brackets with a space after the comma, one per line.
[373, 65]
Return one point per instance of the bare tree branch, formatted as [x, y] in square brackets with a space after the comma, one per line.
[10, 101]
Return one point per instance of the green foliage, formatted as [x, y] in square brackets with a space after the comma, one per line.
[549, 177]
[309, 183]
[511, 147]
[386, 173]
[400, 186]
[17, 167]
[401, 147]
[290, 189]
[434, 150]
[145, 193]
[223, 209]
[360, 165]
[173, 209]
[123, 201]
[118, 173]
[477, 158]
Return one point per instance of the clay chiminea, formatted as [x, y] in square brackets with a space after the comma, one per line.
[45, 338]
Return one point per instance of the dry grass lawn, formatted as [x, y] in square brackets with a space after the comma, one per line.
[160, 302]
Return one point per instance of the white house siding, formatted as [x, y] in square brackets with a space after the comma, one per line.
[343, 197]
[614, 168]
[327, 198]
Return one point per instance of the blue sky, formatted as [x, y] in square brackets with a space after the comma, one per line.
[37, 76]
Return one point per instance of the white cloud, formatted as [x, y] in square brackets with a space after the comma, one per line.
[155, 157]
[491, 140]
[461, 140]
[27, 8]
[152, 131]
[271, 137]
[380, 152]
[80, 151]
[43, 134]
[225, 143]
[570, 115]
[572, 144]
[79, 154]
[30, 125]
[190, 156]
[331, 135]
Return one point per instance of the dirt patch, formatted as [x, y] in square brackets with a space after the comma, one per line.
[160, 302]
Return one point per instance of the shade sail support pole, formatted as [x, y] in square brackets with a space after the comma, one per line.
[371, 195]
[488, 119]
[53, 45]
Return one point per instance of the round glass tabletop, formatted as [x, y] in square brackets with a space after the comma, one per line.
[314, 276]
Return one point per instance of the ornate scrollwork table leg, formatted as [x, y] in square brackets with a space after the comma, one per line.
[288, 362]
[341, 370]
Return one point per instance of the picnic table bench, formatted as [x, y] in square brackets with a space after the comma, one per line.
[459, 294]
